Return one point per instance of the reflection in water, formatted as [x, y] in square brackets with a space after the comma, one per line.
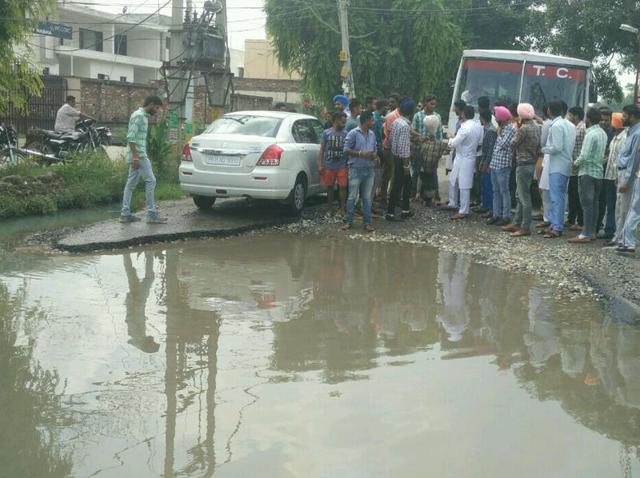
[30, 407]
[136, 303]
[250, 326]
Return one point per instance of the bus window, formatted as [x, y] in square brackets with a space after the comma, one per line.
[499, 80]
[546, 83]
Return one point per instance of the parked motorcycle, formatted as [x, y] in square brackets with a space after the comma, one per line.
[9, 152]
[55, 146]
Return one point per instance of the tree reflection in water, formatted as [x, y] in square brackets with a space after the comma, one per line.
[30, 398]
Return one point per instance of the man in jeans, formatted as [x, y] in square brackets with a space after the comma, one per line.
[559, 147]
[488, 143]
[501, 167]
[628, 184]
[360, 149]
[590, 171]
[527, 147]
[400, 142]
[139, 164]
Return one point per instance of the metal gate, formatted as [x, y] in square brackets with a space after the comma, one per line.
[41, 110]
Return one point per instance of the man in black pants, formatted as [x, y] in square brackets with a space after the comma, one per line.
[400, 141]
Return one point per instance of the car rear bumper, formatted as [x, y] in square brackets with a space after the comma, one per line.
[261, 183]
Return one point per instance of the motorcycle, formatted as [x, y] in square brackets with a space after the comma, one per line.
[10, 154]
[55, 146]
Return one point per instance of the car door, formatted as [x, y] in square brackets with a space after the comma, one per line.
[307, 134]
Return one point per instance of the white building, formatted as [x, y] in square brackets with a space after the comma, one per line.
[123, 47]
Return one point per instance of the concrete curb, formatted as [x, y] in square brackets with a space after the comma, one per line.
[175, 236]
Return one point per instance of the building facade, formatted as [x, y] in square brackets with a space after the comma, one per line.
[126, 47]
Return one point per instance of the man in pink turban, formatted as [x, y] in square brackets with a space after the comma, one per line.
[527, 149]
[501, 167]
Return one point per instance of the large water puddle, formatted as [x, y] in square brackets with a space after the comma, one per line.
[280, 356]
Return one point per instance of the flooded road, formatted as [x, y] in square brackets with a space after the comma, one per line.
[282, 356]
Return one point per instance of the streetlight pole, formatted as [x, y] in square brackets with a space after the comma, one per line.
[636, 88]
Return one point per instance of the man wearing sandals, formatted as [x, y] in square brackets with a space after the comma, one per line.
[559, 147]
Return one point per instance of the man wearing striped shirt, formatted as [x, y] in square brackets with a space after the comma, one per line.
[400, 143]
[590, 171]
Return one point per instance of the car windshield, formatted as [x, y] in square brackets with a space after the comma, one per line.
[546, 83]
[246, 125]
[499, 80]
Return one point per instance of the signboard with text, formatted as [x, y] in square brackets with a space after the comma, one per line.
[54, 30]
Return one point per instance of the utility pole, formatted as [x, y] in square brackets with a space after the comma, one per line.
[346, 73]
[198, 45]
[175, 84]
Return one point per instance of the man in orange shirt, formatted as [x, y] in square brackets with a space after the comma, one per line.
[387, 157]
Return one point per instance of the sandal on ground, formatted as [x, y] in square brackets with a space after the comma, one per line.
[552, 234]
[368, 228]
[346, 227]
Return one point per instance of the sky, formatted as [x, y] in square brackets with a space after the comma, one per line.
[245, 17]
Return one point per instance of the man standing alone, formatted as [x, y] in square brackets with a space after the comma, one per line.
[139, 163]
[466, 143]
[559, 147]
[590, 171]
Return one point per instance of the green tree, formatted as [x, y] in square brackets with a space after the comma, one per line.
[19, 77]
[406, 46]
[590, 29]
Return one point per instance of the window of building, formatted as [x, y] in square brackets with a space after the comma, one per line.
[102, 76]
[120, 44]
[123, 79]
[240, 72]
[168, 43]
[90, 40]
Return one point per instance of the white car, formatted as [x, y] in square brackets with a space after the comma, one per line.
[255, 154]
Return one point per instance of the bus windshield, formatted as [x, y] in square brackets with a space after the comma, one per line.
[499, 80]
[546, 83]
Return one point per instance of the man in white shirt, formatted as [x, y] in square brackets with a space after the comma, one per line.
[467, 143]
[67, 116]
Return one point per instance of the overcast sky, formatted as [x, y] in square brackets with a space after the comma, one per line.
[245, 17]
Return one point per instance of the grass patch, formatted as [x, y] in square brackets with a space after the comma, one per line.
[28, 189]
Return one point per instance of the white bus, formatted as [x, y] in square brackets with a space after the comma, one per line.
[521, 77]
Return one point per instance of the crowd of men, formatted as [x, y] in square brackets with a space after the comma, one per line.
[389, 150]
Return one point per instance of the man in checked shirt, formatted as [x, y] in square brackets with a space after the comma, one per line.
[400, 141]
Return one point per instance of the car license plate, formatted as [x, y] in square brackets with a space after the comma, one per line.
[213, 160]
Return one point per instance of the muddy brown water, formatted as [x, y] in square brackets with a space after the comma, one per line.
[282, 356]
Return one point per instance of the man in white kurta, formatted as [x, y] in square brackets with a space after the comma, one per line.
[467, 143]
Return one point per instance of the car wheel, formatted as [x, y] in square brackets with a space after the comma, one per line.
[298, 195]
[204, 202]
